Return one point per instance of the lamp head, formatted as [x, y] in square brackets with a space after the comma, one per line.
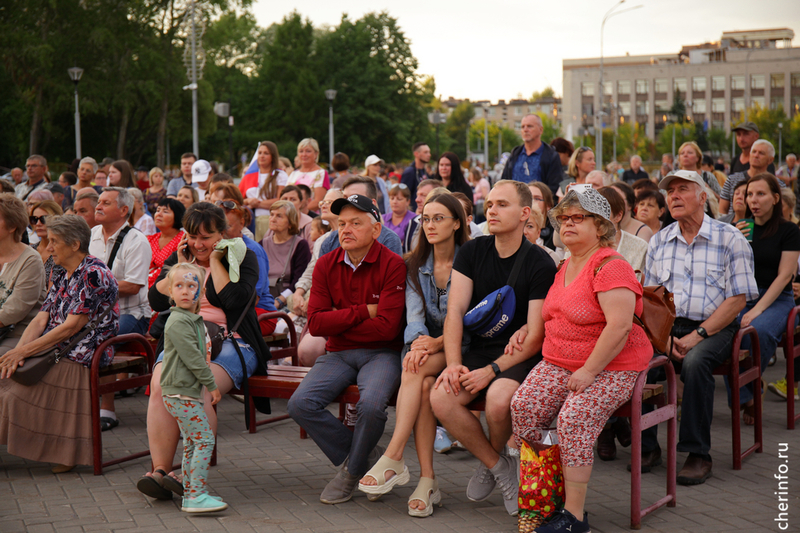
[75, 74]
[330, 94]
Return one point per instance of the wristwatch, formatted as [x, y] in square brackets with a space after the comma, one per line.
[495, 368]
[702, 332]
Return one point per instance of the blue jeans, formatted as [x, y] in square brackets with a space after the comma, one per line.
[770, 326]
[131, 324]
[698, 388]
[377, 373]
[228, 359]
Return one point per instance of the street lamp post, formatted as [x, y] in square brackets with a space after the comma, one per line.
[330, 94]
[780, 142]
[598, 124]
[75, 74]
[486, 136]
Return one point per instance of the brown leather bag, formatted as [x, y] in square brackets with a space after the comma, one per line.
[658, 312]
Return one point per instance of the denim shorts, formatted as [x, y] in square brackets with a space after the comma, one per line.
[228, 359]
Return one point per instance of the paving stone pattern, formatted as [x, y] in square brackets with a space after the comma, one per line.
[272, 481]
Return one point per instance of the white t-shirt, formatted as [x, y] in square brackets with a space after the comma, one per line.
[253, 192]
[313, 179]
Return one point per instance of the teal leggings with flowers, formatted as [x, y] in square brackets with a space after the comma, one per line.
[198, 443]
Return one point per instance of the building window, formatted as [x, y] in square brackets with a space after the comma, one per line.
[491, 111]
[679, 84]
[662, 106]
[776, 81]
[737, 104]
[776, 102]
[517, 111]
[760, 101]
[643, 107]
[518, 125]
[587, 110]
[737, 83]
[623, 87]
[642, 86]
[608, 88]
[717, 83]
[625, 109]
[795, 79]
[718, 124]
[661, 85]
[795, 105]
[699, 83]
[699, 106]
[717, 105]
[757, 81]
[587, 88]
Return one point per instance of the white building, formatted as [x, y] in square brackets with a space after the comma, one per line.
[716, 80]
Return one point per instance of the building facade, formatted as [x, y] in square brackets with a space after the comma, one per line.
[716, 81]
[509, 114]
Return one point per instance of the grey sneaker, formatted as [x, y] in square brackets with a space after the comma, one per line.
[506, 475]
[481, 484]
[340, 489]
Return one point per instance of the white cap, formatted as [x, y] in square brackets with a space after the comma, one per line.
[372, 160]
[200, 171]
[688, 175]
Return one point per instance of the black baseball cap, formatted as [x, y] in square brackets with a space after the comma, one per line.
[359, 202]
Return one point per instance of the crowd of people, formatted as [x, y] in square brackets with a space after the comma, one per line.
[394, 278]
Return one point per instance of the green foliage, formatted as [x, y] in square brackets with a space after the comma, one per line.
[456, 128]
[547, 92]
[719, 141]
[476, 138]
[131, 98]
[552, 128]
[683, 132]
[678, 109]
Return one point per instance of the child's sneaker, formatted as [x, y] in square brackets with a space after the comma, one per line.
[203, 504]
[442, 442]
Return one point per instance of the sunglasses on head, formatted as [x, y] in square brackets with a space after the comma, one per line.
[227, 204]
[35, 220]
[399, 186]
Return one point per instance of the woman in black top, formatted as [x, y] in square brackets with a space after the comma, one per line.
[448, 170]
[776, 247]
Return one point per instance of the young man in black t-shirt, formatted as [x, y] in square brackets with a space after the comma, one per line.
[482, 266]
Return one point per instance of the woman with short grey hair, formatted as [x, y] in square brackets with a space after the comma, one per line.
[49, 421]
[138, 218]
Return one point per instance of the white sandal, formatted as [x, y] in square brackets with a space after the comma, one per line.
[427, 492]
[378, 473]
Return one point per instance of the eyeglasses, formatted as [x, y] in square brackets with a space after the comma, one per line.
[32, 165]
[576, 219]
[325, 203]
[35, 220]
[227, 204]
[438, 219]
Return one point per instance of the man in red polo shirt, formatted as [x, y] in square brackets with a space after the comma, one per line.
[357, 301]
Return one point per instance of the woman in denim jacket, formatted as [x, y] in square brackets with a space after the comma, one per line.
[445, 229]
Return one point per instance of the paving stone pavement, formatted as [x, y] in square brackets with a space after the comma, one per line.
[272, 481]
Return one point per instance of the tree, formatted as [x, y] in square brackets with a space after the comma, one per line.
[456, 127]
[683, 132]
[552, 128]
[719, 141]
[678, 109]
[547, 92]
[476, 136]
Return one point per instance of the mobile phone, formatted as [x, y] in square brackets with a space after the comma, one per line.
[186, 251]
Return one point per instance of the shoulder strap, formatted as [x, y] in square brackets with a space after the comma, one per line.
[246, 309]
[117, 244]
[523, 250]
[606, 261]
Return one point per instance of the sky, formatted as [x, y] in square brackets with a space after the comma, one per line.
[502, 49]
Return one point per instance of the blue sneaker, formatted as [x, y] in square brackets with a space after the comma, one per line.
[564, 521]
[442, 444]
[203, 504]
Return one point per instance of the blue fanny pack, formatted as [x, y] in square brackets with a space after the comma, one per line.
[495, 312]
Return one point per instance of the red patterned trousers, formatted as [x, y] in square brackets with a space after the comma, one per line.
[581, 417]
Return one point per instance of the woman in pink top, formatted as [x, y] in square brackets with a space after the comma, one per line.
[592, 351]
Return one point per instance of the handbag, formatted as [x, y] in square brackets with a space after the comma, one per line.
[37, 366]
[281, 283]
[658, 312]
[541, 482]
[217, 335]
[496, 311]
